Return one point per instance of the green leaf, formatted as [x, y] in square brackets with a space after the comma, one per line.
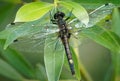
[116, 64]
[5, 9]
[104, 37]
[41, 73]
[69, 80]
[17, 61]
[78, 10]
[115, 28]
[12, 1]
[9, 72]
[116, 21]
[53, 57]
[88, 4]
[32, 11]
[110, 74]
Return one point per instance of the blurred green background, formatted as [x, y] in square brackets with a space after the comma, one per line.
[95, 58]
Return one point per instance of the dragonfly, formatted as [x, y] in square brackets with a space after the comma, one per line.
[64, 33]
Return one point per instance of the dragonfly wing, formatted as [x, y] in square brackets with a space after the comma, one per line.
[94, 17]
[28, 45]
[33, 40]
[100, 13]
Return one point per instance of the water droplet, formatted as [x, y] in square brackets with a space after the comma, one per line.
[70, 28]
[77, 25]
[76, 33]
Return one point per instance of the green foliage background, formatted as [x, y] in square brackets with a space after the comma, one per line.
[28, 65]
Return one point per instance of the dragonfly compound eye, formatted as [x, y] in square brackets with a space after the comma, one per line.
[59, 14]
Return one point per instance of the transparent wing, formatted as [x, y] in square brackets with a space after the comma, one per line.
[28, 45]
[38, 32]
[35, 37]
[94, 16]
[100, 13]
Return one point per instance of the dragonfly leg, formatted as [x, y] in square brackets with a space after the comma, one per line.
[69, 15]
[74, 36]
[69, 35]
[57, 43]
[52, 19]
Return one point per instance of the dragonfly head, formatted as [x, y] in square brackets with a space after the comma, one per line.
[59, 14]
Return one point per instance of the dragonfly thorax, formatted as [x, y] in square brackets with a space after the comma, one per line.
[59, 15]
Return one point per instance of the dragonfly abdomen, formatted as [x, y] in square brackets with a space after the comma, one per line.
[68, 53]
